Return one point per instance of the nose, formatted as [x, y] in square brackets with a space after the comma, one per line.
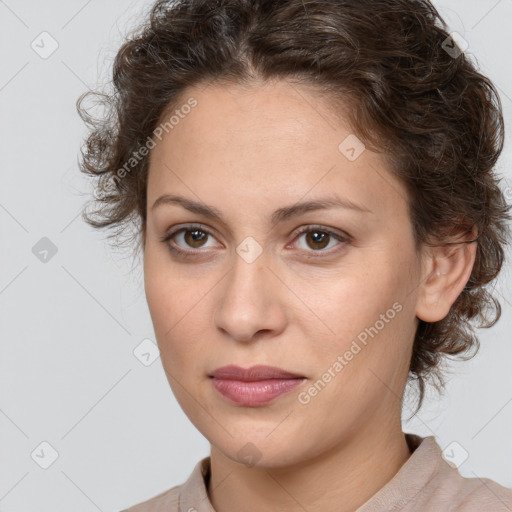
[250, 304]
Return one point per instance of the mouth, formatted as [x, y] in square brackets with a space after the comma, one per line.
[255, 386]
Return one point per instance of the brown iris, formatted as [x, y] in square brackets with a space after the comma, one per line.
[195, 237]
[318, 237]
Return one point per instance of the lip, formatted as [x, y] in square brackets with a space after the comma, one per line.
[255, 386]
[254, 373]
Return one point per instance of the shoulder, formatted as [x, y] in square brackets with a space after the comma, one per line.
[183, 498]
[445, 486]
[429, 482]
[167, 501]
[466, 494]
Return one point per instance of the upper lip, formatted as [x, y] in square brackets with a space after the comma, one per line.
[254, 373]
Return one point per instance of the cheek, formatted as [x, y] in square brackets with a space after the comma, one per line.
[367, 307]
[176, 302]
[167, 294]
[368, 355]
[351, 302]
[179, 342]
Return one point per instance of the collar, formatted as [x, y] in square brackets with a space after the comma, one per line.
[403, 487]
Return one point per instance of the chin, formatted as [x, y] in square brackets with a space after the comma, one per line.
[259, 450]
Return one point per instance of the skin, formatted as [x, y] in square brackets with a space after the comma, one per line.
[248, 152]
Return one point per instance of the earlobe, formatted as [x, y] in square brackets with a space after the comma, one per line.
[447, 269]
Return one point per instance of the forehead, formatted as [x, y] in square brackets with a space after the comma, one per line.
[277, 140]
[260, 114]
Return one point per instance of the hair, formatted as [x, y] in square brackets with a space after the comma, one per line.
[393, 69]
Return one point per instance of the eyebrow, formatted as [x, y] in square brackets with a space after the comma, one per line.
[279, 215]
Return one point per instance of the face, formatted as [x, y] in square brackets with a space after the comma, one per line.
[238, 273]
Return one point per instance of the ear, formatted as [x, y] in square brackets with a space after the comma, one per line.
[446, 271]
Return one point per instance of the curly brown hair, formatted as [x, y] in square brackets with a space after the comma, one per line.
[395, 72]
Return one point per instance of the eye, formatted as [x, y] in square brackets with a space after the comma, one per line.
[187, 237]
[318, 238]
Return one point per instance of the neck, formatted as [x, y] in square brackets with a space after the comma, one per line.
[341, 480]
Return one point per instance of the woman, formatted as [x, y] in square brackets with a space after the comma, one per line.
[312, 183]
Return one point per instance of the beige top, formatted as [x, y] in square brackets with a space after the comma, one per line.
[425, 483]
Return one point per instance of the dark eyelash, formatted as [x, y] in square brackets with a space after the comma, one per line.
[345, 238]
[192, 227]
[176, 250]
[341, 237]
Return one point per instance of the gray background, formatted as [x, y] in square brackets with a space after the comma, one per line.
[70, 325]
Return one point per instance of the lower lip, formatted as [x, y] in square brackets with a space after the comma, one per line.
[253, 394]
